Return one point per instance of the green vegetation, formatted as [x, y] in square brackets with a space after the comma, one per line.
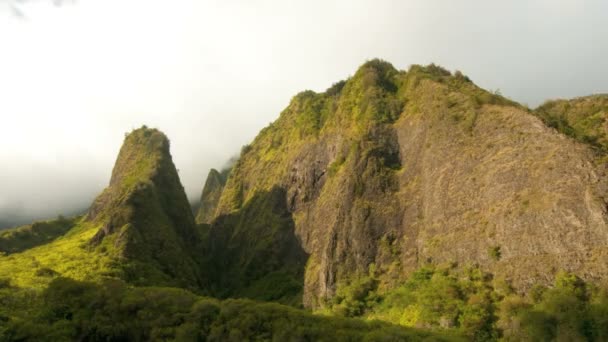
[436, 298]
[472, 303]
[255, 253]
[134, 268]
[68, 255]
[371, 96]
[19, 239]
[335, 166]
[583, 119]
[494, 253]
[112, 311]
[211, 195]
[338, 149]
[139, 229]
[146, 224]
[570, 311]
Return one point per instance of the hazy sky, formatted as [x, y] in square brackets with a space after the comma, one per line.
[211, 74]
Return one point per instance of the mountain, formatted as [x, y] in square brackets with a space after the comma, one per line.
[390, 171]
[144, 214]
[211, 195]
[104, 276]
[396, 205]
[29, 236]
[139, 229]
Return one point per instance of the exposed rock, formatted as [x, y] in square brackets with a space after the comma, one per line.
[392, 170]
[211, 195]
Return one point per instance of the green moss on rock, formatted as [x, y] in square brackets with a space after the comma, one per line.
[211, 195]
[145, 215]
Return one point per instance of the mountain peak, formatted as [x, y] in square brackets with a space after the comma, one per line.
[211, 195]
[144, 214]
[391, 170]
[140, 157]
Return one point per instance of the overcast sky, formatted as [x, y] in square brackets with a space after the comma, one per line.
[210, 74]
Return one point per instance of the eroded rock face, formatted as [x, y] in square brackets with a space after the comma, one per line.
[395, 170]
[144, 216]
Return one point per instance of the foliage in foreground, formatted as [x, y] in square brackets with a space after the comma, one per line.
[481, 308]
[112, 311]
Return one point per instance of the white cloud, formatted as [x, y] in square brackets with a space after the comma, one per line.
[74, 79]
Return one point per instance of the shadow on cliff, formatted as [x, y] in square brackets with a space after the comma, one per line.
[254, 252]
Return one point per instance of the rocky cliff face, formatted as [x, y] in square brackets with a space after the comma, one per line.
[392, 170]
[211, 195]
[144, 215]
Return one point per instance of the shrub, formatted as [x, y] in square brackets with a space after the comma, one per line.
[45, 272]
[5, 282]
[494, 253]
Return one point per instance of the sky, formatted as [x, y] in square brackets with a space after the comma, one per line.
[76, 75]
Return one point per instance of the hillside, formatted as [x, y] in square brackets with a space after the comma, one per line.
[396, 205]
[38, 233]
[65, 279]
[145, 217]
[390, 171]
[70, 310]
[210, 196]
[583, 118]
[139, 229]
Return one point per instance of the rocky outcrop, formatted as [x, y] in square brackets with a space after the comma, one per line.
[211, 195]
[392, 170]
[144, 216]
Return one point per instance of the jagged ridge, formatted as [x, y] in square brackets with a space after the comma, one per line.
[210, 196]
[392, 170]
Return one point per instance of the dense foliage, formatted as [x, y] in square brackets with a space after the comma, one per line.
[255, 253]
[465, 303]
[112, 311]
[583, 118]
[38, 233]
[481, 308]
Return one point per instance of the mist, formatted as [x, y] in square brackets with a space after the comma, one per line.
[210, 74]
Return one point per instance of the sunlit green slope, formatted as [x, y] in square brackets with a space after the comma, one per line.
[139, 229]
[69, 255]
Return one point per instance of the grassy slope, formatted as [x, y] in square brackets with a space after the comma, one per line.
[38, 233]
[69, 255]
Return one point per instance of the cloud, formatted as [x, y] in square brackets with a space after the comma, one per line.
[212, 73]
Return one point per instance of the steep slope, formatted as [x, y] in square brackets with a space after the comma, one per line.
[582, 118]
[146, 221]
[211, 195]
[70, 310]
[392, 170]
[38, 233]
[140, 229]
